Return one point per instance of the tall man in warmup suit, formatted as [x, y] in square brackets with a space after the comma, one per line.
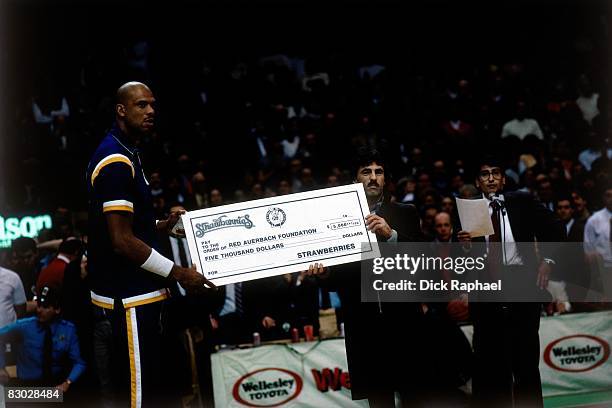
[506, 342]
[128, 276]
[380, 337]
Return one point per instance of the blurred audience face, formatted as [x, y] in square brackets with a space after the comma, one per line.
[579, 202]
[332, 181]
[373, 179]
[295, 166]
[442, 227]
[198, 182]
[215, 197]
[257, 191]
[46, 314]
[457, 182]
[429, 199]
[448, 205]
[565, 210]
[306, 177]
[423, 182]
[428, 218]
[545, 191]
[439, 167]
[184, 163]
[155, 181]
[284, 187]
[23, 261]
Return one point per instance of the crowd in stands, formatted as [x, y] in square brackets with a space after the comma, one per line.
[244, 129]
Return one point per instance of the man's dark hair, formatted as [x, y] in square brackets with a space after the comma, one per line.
[71, 246]
[487, 160]
[23, 244]
[564, 197]
[366, 156]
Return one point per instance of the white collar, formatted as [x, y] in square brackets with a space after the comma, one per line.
[499, 197]
[63, 258]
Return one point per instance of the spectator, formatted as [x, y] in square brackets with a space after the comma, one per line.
[597, 238]
[521, 126]
[70, 249]
[12, 297]
[23, 260]
[581, 211]
[216, 198]
[588, 100]
[573, 271]
[42, 356]
[427, 225]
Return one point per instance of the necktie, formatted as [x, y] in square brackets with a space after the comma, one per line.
[182, 253]
[494, 255]
[238, 298]
[47, 361]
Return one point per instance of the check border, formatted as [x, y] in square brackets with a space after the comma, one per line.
[279, 203]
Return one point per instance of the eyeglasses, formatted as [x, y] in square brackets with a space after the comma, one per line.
[485, 174]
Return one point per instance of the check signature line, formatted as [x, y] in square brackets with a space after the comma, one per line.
[243, 269]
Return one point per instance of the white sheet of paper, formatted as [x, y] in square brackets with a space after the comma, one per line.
[474, 217]
[284, 234]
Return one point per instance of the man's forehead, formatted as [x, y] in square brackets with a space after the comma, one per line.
[487, 167]
[372, 166]
[140, 93]
[442, 218]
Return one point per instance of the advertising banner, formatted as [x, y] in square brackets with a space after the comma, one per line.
[311, 374]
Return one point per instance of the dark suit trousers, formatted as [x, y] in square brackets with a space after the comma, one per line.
[506, 355]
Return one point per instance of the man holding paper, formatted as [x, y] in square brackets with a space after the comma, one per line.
[380, 335]
[506, 341]
[128, 276]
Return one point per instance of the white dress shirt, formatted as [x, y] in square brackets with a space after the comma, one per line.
[597, 235]
[174, 245]
[510, 249]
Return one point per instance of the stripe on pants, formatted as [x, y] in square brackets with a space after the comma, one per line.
[134, 348]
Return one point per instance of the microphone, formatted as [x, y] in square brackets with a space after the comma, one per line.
[497, 203]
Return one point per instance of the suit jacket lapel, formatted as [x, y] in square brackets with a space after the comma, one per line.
[514, 216]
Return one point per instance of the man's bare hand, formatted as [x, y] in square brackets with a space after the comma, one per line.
[4, 376]
[190, 279]
[543, 275]
[464, 236]
[378, 225]
[168, 224]
[63, 387]
[268, 322]
[316, 269]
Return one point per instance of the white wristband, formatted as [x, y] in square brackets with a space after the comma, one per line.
[158, 264]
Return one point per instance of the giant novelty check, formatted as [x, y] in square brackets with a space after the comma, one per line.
[272, 236]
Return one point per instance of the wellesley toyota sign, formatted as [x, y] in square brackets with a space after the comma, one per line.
[577, 353]
[267, 387]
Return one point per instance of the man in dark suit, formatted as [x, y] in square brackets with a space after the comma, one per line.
[506, 342]
[565, 209]
[187, 316]
[382, 341]
[575, 269]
